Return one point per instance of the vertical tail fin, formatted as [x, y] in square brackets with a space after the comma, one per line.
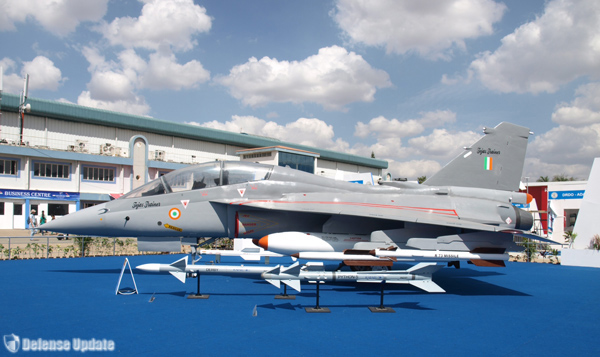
[494, 162]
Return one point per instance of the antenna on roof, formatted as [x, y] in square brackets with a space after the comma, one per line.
[24, 107]
[1, 77]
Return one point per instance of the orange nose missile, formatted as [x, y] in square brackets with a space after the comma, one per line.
[263, 242]
[529, 198]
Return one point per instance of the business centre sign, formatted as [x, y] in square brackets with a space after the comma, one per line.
[39, 195]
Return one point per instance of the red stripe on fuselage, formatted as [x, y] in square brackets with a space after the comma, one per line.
[440, 211]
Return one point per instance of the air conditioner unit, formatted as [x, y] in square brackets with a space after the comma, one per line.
[82, 146]
[121, 152]
[71, 147]
[107, 149]
[159, 155]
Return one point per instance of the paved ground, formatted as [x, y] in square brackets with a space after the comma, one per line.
[15, 233]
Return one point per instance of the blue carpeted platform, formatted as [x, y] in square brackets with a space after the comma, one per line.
[524, 309]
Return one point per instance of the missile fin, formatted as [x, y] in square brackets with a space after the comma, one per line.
[427, 285]
[293, 269]
[274, 282]
[180, 264]
[294, 284]
[180, 275]
[275, 271]
[425, 269]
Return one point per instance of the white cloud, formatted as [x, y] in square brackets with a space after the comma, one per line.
[583, 110]
[536, 167]
[389, 132]
[171, 22]
[137, 106]
[12, 82]
[43, 74]
[115, 84]
[59, 17]
[430, 28]
[388, 128]
[163, 26]
[316, 133]
[333, 78]
[163, 72]
[413, 169]
[305, 131]
[443, 143]
[540, 56]
[569, 148]
[568, 145]
[110, 86]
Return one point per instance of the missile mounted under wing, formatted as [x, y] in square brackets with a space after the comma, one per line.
[465, 211]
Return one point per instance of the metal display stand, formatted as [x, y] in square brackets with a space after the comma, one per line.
[381, 308]
[318, 308]
[285, 295]
[198, 295]
[128, 291]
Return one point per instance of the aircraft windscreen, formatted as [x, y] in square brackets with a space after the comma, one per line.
[240, 172]
[202, 176]
[194, 177]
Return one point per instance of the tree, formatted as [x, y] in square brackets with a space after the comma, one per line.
[570, 237]
[422, 179]
[543, 179]
[562, 177]
[372, 154]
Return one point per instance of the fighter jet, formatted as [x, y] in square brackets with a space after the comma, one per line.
[464, 212]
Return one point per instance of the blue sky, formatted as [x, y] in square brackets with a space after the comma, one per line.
[412, 81]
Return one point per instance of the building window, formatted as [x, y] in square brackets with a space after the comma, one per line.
[1, 208]
[44, 169]
[18, 209]
[55, 209]
[8, 167]
[298, 162]
[257, 155]
[104, 174]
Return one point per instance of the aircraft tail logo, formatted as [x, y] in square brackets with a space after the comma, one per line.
[12, 343]
[489, 163]
[494, 162]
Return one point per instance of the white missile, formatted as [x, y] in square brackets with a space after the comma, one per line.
[289, 243]
[411, 255]
[420, 276]
[348, 256]
[180, 268]
[384, 257]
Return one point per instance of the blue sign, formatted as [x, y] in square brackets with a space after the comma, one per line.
[566, 195]
[39, 195]
[521, 205]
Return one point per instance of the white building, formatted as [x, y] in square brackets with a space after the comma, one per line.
[558, 205]
[61, 157]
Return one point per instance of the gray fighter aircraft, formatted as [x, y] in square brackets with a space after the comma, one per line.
[464, 212]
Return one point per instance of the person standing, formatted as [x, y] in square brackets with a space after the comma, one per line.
[32, 223]
[42, 221]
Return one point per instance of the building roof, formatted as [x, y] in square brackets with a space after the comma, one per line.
[277, 148]
[77, 113]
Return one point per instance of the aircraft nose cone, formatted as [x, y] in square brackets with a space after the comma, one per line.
[74, 223]
[151, 267]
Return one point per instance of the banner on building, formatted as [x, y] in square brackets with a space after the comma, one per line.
[39, 195]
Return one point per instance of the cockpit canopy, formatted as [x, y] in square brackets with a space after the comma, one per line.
[201, 176]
